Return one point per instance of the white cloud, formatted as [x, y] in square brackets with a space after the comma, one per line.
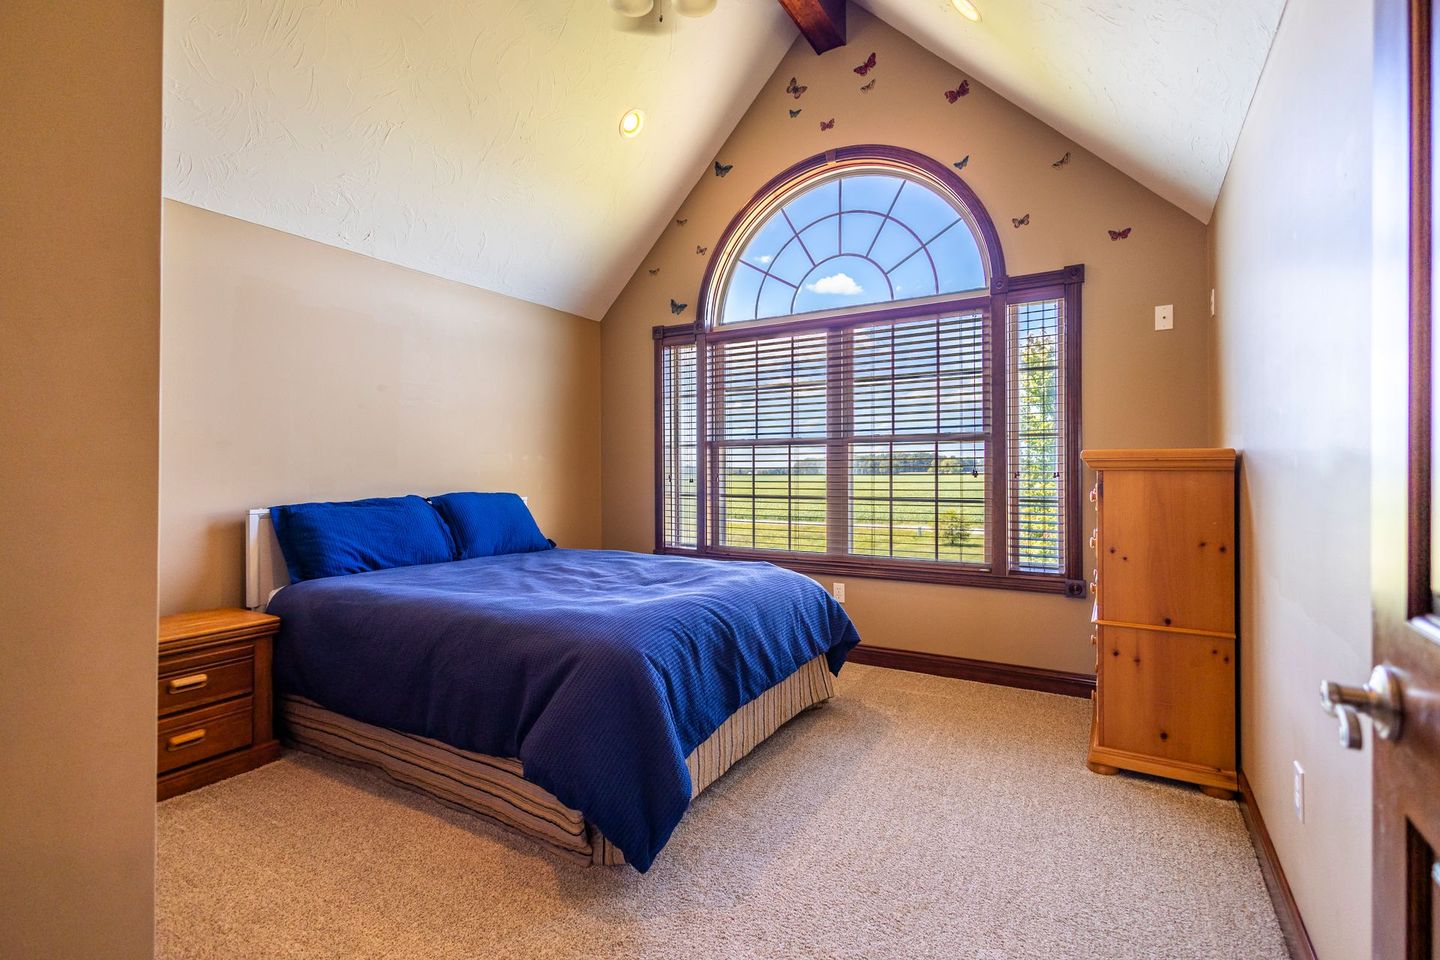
[841, 284]
[766, 259]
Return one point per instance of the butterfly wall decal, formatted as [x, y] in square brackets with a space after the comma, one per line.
[654, 271]
[699, 249]
[795, 89]
[867, 66]
[794, 113]
[681, 221]
[960, 91]
[677, 308]
[1020, 221]
[962, 163]
[868, 87]
[1119, 234]
[1062, 161]
[827, 124]
[723, 168]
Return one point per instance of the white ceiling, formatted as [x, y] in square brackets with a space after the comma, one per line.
[476, 139]
[1158, 88]
[472, 139]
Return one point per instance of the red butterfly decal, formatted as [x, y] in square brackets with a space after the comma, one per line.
[867, 66]
[958, 92]
[794, 89]
[1119, 234]
[827, 124]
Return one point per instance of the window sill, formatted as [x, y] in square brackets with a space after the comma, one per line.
[908, 571]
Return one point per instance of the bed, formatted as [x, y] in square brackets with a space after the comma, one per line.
[581, 697]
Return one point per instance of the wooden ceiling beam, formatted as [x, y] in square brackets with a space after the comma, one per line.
[821, 21]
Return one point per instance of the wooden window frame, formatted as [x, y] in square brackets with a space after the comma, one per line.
[1063, 284]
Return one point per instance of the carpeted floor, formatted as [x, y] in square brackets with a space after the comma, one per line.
[910, 817]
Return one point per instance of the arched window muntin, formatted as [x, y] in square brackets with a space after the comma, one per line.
[695, 491]
[816, 172]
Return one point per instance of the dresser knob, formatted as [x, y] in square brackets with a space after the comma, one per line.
[182, 740]
[1094, 494]
[193, 682]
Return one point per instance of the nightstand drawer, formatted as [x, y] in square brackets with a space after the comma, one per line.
[196, 735]
[200, 678]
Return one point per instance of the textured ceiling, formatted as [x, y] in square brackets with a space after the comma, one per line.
[477, 139]
[472, 139]
[1158, 88]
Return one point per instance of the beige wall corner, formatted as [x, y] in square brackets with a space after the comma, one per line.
[295, 370]
[1140, 387]
[79, 393]
[1291, 260]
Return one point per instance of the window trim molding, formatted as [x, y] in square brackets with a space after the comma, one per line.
[1063, 284]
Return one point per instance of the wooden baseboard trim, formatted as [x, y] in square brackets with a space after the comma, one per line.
[982, 671]
[1287, 911]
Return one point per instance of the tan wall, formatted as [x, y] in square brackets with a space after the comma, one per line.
[79, 345]
[294, 371]
[1140, 387]
[1291, 242]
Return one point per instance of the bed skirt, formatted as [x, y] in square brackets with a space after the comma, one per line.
[496, 787]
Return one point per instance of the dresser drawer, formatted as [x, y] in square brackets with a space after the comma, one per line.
[1166, 549]
[1167, 695]
[196, 735]
[193, 680]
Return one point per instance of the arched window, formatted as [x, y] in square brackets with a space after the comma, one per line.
[865, 390]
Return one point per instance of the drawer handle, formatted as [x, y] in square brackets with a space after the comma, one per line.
[1094, 638]
[193, 682]
[1094, 588]
[182, 740]
[1094, 494]
[1092, 541]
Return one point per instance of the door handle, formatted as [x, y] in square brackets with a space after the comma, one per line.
[1379, 699]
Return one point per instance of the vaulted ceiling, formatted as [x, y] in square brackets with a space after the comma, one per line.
[1158, 88]
[477, 139]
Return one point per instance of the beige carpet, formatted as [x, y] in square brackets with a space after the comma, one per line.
[910, 817]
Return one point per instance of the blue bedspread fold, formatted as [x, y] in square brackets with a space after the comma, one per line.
[600, 670]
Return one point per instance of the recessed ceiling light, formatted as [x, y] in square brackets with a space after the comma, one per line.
[966, 9]
[632, 123]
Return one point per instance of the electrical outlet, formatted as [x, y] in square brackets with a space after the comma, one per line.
[1165, 317]
[1299, 797]
[839, 591]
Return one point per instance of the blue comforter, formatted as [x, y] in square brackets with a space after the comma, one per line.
[600, 670]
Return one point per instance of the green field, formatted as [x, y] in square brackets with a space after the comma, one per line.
[787, 512]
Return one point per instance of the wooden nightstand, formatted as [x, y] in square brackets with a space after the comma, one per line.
[216, 709]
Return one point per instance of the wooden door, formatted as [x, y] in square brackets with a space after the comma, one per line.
[1406, 574]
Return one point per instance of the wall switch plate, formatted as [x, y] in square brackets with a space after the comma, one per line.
[839, 591]
[1165, 317]
[1299, 796]
[1212, 301]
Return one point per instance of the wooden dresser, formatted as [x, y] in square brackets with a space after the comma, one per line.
[1164, 586]
[216, 706]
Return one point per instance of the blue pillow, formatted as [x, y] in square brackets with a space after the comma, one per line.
[489, 524]
[331, 539]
